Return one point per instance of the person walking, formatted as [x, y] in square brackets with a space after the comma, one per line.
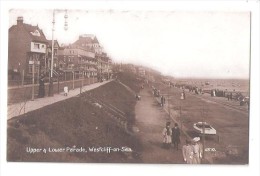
[167, 133]
[176, 136]
[187, 152]
[41, 92]
[66, 91]
[197, 151]
[162, 102]
[182, 96]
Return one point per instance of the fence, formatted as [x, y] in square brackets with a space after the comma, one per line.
[24, 93]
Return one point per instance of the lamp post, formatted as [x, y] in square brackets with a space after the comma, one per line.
[52, 48]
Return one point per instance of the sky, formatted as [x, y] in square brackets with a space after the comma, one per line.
[197, 44]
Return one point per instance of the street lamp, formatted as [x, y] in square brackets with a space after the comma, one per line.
[52, 48]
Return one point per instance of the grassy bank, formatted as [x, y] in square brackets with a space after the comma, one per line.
[74, 123]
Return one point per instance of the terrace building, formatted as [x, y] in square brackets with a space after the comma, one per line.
[77, 61]
[90, 43]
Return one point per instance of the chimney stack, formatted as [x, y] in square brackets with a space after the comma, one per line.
[19, 20]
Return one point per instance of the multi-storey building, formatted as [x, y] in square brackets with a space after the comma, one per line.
[90, 43]
[31, 53]
[77, 61]
[26, 50]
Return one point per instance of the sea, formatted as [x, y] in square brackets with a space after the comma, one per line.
[237, 85]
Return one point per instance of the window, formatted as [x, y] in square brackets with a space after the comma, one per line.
[36, 46]
[36, 67]
[30, 68]
[37, 56]
[36, 33]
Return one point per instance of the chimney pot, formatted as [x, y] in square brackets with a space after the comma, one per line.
[19, 20]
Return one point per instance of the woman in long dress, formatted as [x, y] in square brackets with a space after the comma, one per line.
[187, 152]
[167, 133]
[197, 151]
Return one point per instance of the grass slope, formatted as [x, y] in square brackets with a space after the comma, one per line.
[74, 122]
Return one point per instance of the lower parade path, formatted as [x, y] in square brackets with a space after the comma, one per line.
[228, 146]
[150, 121]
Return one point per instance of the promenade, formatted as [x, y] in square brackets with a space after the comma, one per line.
[150, 120]
[29, 105]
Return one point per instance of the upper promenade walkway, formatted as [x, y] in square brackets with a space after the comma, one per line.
[29, 105]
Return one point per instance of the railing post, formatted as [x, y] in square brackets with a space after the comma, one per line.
[23, 78]
[33, 81]
[73, 80]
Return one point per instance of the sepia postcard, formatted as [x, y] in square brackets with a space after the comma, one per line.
[129, 85]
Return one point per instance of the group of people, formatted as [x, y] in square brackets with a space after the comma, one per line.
[156, 92]
[192, 151]
[41, 92]
[162, 100]
[171, 136]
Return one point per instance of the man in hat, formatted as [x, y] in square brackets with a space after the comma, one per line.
[41, 92]
[197, 150]
[187, 152]
[176, 136]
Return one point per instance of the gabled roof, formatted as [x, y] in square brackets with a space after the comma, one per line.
[55, 43]
[35, 33]
[86, 39]
[95, 40]
[32, 29]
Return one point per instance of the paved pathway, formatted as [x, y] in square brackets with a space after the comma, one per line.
[27, 106]
[151, 119]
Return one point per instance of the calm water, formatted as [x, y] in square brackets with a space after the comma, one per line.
[241, 85]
